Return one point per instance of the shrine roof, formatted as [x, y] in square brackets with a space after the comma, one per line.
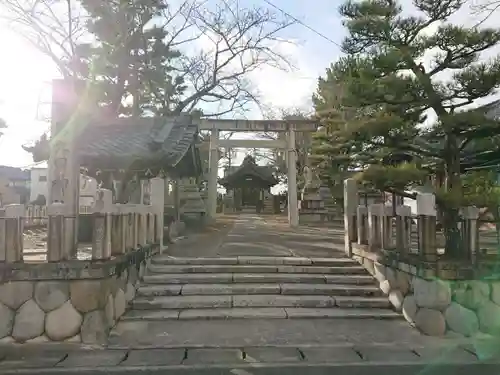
[249, 169]
[121, 142]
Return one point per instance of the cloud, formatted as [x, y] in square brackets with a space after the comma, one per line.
[278, 87]
[291, 88]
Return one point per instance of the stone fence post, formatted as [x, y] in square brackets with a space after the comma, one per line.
[403, 229]
[351, 203]
[57, 248]
[150, 234]
[142, 226]
[427, 218]
[386, 240]
[11, 233]
[129, 226]
[470, 232]
[29, 220]
[374, 225]
[37, 213]
[101, 234]
[158, 203]
[118, 230]
[362, 222]
[43, 214]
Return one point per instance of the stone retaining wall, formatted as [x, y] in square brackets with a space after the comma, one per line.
[438, 307]
[74, 301]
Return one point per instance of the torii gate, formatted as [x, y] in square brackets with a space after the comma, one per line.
[215, 126]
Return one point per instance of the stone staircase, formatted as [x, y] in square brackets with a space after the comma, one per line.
[257, 287]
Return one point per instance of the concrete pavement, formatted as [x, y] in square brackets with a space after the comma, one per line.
[482, 355]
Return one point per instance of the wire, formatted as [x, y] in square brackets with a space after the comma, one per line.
[303, 23]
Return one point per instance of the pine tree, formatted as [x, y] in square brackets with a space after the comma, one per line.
[394, 91]
[130, 60]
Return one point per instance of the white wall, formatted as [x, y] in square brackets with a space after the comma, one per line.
[39, 177]
[39, 186]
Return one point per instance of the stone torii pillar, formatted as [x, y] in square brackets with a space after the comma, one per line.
[63, 165]
[213, 170]
[293, 209]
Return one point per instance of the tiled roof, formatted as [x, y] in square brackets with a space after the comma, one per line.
[124, 141]
[250, 168]
[13, 173]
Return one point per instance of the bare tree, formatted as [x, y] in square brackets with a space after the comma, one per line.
[485, 9]
[52, 26]
[237, 42]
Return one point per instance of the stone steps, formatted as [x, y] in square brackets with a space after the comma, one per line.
[225, 278]
[254, 260]
[260, 313]
[257, 300]
[213, 268]
[263, 289]
[257, 287]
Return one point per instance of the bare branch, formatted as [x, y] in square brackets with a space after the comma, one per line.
[484, 8]
[236, 42]
[51, 26]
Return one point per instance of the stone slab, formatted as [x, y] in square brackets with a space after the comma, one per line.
[183, 302]
[283, 301]
[266, 331]
[137, 315]
[332, 261]
[296, 261]
[234, 313]
[331, 355]
[272, 355]
[256, 260]
[160, 290]
[340, 313]
[279, 278]
[30, 360]
[386, 353]
[212, 289]
[208, 278]
[213, 356]
[358, 302]
[165, 259]
[339, 270]
[154, 357]
[94, 358]
[445, 354]
[328, 289]
[212, 268]
[349, 279]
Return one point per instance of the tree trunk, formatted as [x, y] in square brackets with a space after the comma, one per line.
[454, 247]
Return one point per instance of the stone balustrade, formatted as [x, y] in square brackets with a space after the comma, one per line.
[436, 293]
[35, 216]
[67, 299]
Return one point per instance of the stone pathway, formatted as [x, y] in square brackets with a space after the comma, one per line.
[241, 235]
[215, 287]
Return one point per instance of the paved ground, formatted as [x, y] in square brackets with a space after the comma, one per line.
[340, 359]
[263, 236]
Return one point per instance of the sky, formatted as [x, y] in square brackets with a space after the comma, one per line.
[25, 73]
